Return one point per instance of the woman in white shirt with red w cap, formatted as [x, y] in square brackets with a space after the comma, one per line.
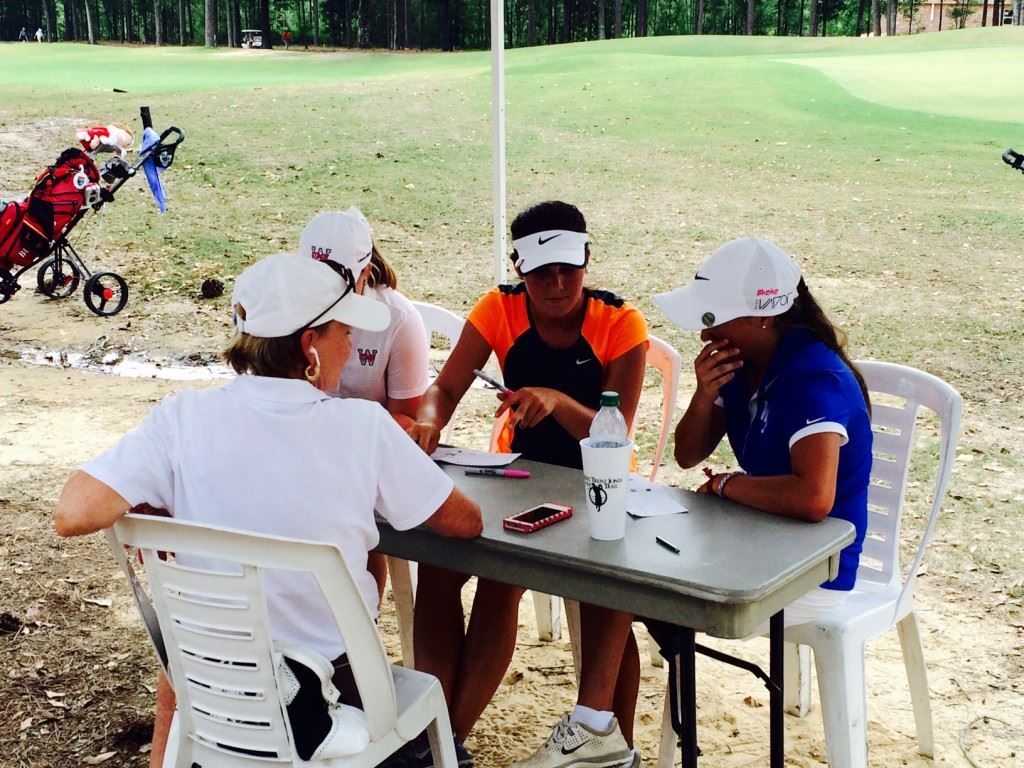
[388, 366]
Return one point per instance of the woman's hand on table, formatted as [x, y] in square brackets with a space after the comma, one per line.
[425, 434]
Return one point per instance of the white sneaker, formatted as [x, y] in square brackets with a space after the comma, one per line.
[577, 745]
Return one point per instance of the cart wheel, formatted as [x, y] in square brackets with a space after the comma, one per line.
[58, 280]
[106, 293]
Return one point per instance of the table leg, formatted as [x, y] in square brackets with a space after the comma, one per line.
[683, 694]
[777, 727]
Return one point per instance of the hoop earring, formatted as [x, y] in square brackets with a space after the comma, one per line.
[312, 372]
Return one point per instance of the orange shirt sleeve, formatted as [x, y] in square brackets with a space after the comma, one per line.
[497, 317]
[613, 331]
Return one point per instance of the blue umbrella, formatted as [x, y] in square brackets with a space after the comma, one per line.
[151, 138]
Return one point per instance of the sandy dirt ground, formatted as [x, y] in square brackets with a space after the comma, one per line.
[77, 673]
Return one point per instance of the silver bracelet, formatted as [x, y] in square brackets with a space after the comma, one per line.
[721, 486]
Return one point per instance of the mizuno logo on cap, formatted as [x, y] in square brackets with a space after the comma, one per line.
[542, 240]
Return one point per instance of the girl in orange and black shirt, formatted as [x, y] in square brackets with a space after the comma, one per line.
[559, 346]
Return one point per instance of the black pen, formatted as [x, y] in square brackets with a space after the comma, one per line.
[667, 544]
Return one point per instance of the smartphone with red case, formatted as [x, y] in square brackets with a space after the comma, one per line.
[538, 517]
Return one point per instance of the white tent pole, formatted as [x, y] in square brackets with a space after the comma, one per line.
[498, 136]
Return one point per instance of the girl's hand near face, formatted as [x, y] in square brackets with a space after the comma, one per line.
[714, 366]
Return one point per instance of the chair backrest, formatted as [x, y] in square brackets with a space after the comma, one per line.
[664, 357]
[216, 631]
[441, 321]
[444, 323]
[905, 390]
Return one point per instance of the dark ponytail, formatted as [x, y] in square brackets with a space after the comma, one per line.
[806, 313]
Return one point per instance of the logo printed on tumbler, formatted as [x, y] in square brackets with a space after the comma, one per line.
[598, 495]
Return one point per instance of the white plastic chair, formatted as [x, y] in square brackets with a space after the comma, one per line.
[884, 595]
[449, 325]
[664, 357]
[222, 661]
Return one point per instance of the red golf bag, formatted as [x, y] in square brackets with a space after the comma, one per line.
[60, 196]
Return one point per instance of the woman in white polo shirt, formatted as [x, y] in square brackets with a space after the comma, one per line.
[274, 440]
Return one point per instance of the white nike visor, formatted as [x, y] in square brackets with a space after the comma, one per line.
[553, 246]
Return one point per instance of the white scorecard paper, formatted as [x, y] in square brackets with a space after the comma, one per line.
[646, 499]
[467, 458]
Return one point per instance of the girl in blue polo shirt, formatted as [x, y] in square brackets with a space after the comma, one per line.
[775, 378]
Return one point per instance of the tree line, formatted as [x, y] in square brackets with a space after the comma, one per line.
[456, 24]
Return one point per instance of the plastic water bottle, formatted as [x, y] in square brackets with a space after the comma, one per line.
[608, 429]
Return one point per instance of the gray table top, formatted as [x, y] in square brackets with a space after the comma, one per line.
[736, 567]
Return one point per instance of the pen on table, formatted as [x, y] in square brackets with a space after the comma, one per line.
[667, 544]
[517, 473]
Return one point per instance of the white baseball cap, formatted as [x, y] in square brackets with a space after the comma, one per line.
[341, 236]
[553, 246]
[748, 277]
[282, 294]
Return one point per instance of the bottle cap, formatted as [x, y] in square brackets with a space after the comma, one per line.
[610, 399]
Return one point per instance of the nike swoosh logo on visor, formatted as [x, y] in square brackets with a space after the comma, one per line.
[542, 240]
[815, 421]
[698, 276]
[581, 362]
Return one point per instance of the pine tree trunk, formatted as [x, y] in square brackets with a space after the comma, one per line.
[812, 20]
[48, 20]
[750, 17]
[392, 25]
[158, 24]
[181, 23]
[531, 22]
[265, 23]
[70, 21]
[364, 24]
[617, 32]
[210, 19]
[88, 22]
[315, 21]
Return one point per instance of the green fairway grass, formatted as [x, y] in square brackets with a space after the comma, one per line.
[670, 145]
